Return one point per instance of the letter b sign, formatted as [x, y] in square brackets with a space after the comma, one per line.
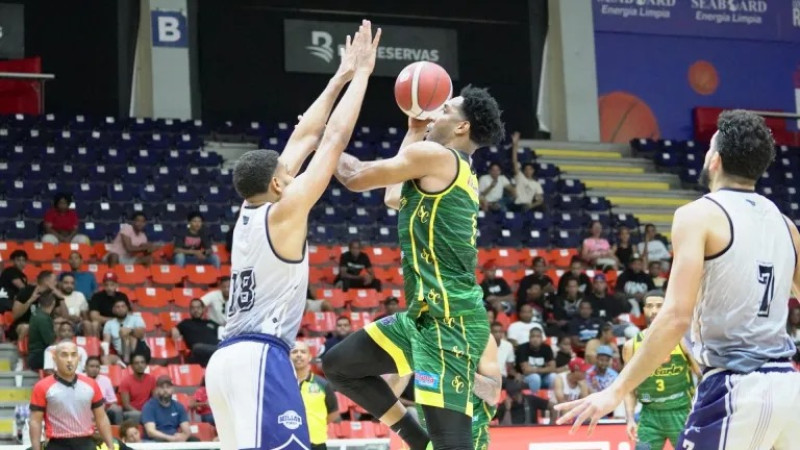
[169, 29]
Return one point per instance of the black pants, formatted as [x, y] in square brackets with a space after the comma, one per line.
[201, 353]
[81, 443]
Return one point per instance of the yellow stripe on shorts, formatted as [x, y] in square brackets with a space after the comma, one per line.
[403, 367]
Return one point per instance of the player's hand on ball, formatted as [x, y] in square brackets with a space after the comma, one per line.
[365, 47]
[592, 409]
[418, 124]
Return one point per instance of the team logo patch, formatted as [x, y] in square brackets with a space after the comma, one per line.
[426, 380]
[290, 419]
[245, 219]
[388, 320]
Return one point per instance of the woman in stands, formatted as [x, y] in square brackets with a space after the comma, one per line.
[596, 250]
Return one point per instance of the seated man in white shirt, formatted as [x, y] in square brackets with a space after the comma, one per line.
[63, 333]
[77, 306]
[519, 332]
[492, 186]
[113, 409]
[505, 351]
[124, 332]
[652, 248]
[216, 300]
[529, 193]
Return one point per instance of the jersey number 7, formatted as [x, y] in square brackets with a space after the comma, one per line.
[766, 276]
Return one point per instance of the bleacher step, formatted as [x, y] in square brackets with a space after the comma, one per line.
[15, 395]
[623, 149]
[14, 378]
[623, 163]
[635, 202]
[670, 194]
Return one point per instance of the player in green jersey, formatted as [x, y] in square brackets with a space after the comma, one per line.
[666, 396]
[432, 184]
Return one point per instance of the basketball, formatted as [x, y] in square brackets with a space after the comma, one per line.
[623, 117]
[422, 88]
[703, 77]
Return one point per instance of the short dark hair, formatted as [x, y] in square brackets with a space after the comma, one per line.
[531, 165]
[483, 114]
[539, 259]
[343, 318]
[65, 275]
[125, 426]
[224, 279]
[571, 279]
[143, 355]
[197, 300]
[536, 330]
[254, 171]
[495, 164]
[192, 215]
[496, 324]
[745, 144]
[43, 275]
[46, 300]
[93, 358]
[588, 302]
[121, 300]
[607, 326]
[18, 254]
[138, 214]
[649, 225]
[61, 196]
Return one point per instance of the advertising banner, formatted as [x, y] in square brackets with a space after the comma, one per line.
[12, 31]
[765, 20]
[314, 47]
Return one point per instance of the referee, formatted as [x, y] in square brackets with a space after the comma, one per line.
[318, 397]
[70, 405]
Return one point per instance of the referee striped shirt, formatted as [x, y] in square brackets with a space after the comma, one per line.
[67, 405]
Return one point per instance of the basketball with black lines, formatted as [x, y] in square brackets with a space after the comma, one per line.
[422, 88]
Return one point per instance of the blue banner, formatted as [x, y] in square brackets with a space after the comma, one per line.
[764, 20]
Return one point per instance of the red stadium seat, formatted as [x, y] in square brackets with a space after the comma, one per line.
[315, 345]
[101, 249]
[400, 295]
[39, 251]
[131, 274]
[31, 271]
[203, 431]
[56, 267]
[562, 257]
[487, 255]
[320, 255]
[322, 274]
[90, 344]
[22, 346]
[320, 322]
[86, 251]
[202, 275]
[152, 297]
[183, 296]
[509, 257]
[383, 256]
[336, 297]
[186, 374]
[222, 253]
[131, 293]
[167, 274]
[531, 253]
[359, 320]
[394, 275]
[170, 320]
[114, 373]
[363, 298]
[186, 401]
[99, 271]
[343, 402]
[6, 248]
[356, 430]
[162, 348]
[156, 370]
[151, 321]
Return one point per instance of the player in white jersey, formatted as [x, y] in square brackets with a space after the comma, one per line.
[252, 388]
[734, 269]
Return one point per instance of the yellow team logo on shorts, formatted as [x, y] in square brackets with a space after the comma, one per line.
[449, 321]
[425, 256]
[423, 214]
[457, 351]
[457, 384]
[433, 296]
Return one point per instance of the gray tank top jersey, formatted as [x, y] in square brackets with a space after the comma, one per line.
[268, 293]
[740, 319]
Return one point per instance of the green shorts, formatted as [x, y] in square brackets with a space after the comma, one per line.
[445, 355]
[482, 415]
[657, 426]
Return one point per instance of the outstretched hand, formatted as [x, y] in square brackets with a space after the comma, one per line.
[347, 66]
[365, 47]
[592, 409]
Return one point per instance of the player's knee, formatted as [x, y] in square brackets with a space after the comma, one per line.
[330, 364]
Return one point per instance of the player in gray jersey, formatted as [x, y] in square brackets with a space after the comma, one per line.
[252, 388]
[734, 269]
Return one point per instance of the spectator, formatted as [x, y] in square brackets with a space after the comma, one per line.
[505, 351]
[216, 301]
[85, 282]
[606, 338]
[529, 193]
[596, 250]
[41, 332]
[575, 273]
[601, 375]
[538, 276]
[319, 398]
[535, 362]
[26, 302]
[624, 247]
[496, 290]
[571, 298]
[101, 304]
[314, 305]
[130, 246]
[654, 247]
[519, 332]
[76, 304]
[355, 269]
[555, 316]
[129, 432]
[521, 409]
[572, 385]
[492, 187]
[113, 410]
[564, 354]
[136, 388]
[61, 223]
[201, 335]
[535, 297]
[125, 333]
[655, 271]
[585, 327]
[63, 333]
[193, 246]
[634, 283]
[164, 419]
[390, 306]
[13, 279]
[610, 307]
[343, 329]
[199, 404]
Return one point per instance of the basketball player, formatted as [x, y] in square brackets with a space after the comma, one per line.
[252, 388]
[432, 185]
[735, 260]
[666, 395]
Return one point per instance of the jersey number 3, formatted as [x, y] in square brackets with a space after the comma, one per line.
[244, 289]
[766, 277]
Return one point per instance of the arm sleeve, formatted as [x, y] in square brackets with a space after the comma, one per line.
[97, 397]
[123, 386]
[48, 216]
[367, 262]
[505, 289]
[138, 322]
[182, 416]
[39, 397]
[148, 415]
[331, 404]
[93, 306]
[205, 239]
[511, 358]
[548, 354]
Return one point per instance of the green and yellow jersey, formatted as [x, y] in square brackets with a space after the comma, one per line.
[437, 233]
[670, 386]
[482, 415]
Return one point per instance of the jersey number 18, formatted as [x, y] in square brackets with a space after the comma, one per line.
[244, 288]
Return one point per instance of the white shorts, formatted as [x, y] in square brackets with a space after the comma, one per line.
[254, 396]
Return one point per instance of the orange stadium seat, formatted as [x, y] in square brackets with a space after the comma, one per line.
[171, 319]
[129, 292]
[383, 256]
[6, 248]
[165, 252]
[356, 430]
[385, 275]
[64, 249]
[186, 401]
[321, 274]
[156, 370]
[162, 348]
[360, 319]
[39, 251]
[225, 270]
[186, 374]
[222, 252]
[99, 271]
[336, 297]
[315, 345]
[320, 322]
[363, 298]
[114, 373]
[486, 255]
[320, 255]
[203, 431]
[151, 321]
[167, 274]
[509, 257]
[183, 296]
[131, 274]
[56, 267]
[31, 271]
[562, 257]
[531, 253]
[512, 276]
[115, 431]
[343, 403]
[153, 297]
[202, 275]
[395, 274]
[22, 347]
[400, 295]
[101, 249]
[90, 344]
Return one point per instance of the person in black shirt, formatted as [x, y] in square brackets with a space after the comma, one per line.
[193, 246]
[625, 248]
[13, 279]
[496, 290]
[575, 273]
[564, 354]
[343, 329]
[571, 298]
[101, 305]
[535, 362]
[584, 327]
[201, 335]
[27, 301]
[634, 283]
[605, 306]
[537, 277]
[355, 269]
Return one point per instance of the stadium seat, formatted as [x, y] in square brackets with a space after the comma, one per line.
[90, 344]
[114, 373]
[203, 431]
[222, 253]
[383, 256]
[131, 274]
[39, 251]
[320, 322]
[183, 296]
[170, 319]
[316, 346]
[562, 257]
[85, 250]
[363, 298]
[153, 297]
[186, 374]
[6, 248]
[167, 274]
[162, 348]
[356, 430]
[323, 274]
[319, 255]
[336, 297]
[151, 321]
[360, 319]
[201, 275]
[508, 257]
[344, 403]
[31, 271]
[186, 400]
[99, 271]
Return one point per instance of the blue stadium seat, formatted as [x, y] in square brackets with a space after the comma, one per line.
[487, 236]
[172, 212]
[212, 212]
[536, 239]
[667, 159]
[570, 187]
[566, 239]
[10, 208]
[604, 219]
[386, 235]
[513, 222]
[358, 232]
[362, 216]
[88, 192]
[109, 123]
[538, 220]
[544, 170]
[36, 208]
[569, 221]
[568, 203]
[388, 149]
[113, 155]
[159, 232]
[152, 192]
[183, 193]
[107, 212]
[187, 141]
[626, 220]
[218, 231]
[36, 171]
[596, 204]
[21, 230]
[365, 133]
[196, 175]
[390, 217]
[369, 198]
[140, 124]
[147, 157]
[206, 159]
[120, 192]
[509, 238]
[80, 122]
[22, 189]
[331, 215]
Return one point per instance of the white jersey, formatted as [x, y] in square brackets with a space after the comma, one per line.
[268, 293]
[570, 393]
[740, 319]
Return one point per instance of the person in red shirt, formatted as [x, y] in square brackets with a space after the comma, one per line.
[200, 404]
[70, 405]
[61, 223]
[136, 389]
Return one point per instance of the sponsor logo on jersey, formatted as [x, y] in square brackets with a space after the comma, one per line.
[426, 380]
[290, 419]
[388, 320]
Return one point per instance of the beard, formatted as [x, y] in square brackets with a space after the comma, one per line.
[705, 178]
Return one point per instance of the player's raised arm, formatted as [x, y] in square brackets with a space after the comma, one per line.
[415, 133]
[308, 187]
[308, 131]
